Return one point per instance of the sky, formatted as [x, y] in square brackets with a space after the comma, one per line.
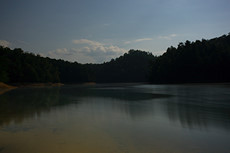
[95, 31]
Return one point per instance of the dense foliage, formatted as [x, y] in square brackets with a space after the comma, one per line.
[18, 66]
[199, 61]
[133, 66]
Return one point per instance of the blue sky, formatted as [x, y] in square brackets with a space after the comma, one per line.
[95, 31]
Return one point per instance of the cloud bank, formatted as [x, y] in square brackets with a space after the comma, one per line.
[169, 37]
[138, 40]
[88, 51]
[4, 43]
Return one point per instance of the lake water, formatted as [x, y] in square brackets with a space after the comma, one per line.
[116, 118]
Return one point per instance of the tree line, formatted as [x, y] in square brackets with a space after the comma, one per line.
[199, 61]
[18, 66]
[194, 62]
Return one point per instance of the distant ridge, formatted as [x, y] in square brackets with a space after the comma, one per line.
[189, 62]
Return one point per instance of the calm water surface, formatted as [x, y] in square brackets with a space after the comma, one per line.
[116, 118]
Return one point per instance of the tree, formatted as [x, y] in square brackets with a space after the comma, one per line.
[199, 61]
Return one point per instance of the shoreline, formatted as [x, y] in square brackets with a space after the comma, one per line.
[5, 87]
[21, 85]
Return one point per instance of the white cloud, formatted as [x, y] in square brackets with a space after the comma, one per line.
[4, 43]
[159, 52]
[88, 51]
[86, 41]
[97, 51]
[169, 37]
[94, 46]
[61, 53]
[143, 39]
[128, 42]
[138, 40]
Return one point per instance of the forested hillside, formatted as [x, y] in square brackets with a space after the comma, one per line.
[190, 62]
[199, 61]
[133, 66]
[18, 66]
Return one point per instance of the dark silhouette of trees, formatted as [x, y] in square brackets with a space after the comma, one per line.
[199, 61]
[70, 72]
[133, 66]
[18, 66]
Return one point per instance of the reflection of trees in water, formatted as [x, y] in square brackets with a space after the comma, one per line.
[123, 94]
[131, 101]
[199, 115]
[198, 105]
[16, 105]
[22, 103]
[189, 115]
[19, 104]
[195, 108]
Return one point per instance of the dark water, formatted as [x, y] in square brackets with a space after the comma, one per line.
[117, 118]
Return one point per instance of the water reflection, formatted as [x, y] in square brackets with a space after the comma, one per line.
[18, 104]
[191, 106]
[200, 106]
[116, 118]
